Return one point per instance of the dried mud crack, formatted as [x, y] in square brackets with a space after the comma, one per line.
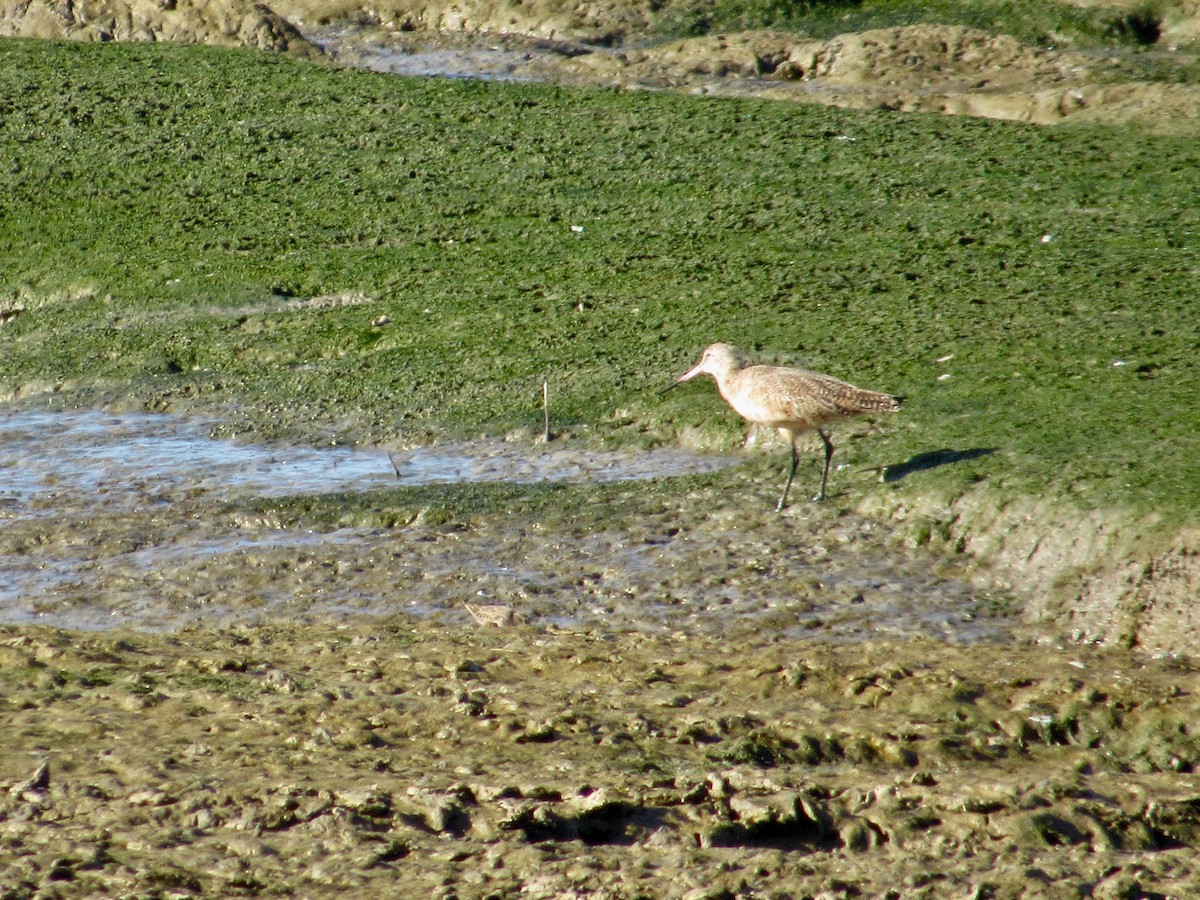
[398, 758]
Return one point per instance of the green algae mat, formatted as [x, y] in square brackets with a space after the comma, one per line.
[343, 254]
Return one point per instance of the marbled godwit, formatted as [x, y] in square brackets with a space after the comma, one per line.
[792, 401]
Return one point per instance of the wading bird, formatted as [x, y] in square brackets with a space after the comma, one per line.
[792, 401]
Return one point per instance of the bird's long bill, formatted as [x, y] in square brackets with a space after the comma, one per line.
[686, 376]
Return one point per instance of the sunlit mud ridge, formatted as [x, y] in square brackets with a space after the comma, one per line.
[1088, 577]
[239, 23]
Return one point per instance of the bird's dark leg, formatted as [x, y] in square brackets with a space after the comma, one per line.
[791, 474]
[828, 456]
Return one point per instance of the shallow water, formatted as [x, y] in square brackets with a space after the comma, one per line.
[134, 459]
[71, 467]
[118, 519]
[487, 60]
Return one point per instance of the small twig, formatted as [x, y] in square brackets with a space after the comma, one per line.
[395, 468]
[546, 408]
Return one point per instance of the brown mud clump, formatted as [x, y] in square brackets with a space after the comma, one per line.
[920, 68]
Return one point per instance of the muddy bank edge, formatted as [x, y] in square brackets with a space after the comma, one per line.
[1104, 577]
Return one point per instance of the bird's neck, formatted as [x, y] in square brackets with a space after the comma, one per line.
[727, 379]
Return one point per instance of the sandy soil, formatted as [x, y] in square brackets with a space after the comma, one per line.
[942, 69]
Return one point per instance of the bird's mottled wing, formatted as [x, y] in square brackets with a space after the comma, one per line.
[821, 398]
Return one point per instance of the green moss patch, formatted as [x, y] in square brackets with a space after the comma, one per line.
[317, 252]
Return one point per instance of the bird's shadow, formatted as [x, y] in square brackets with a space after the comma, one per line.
[932, 460]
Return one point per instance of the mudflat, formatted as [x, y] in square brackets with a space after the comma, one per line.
[393, 756]
[969, 674]
[646, 688]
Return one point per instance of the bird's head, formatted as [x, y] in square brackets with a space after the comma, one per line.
[716, 360]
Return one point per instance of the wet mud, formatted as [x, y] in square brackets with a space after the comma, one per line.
[134, 520]
[398, 756]
[921, 68]
[918, 68]
[696, 699]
